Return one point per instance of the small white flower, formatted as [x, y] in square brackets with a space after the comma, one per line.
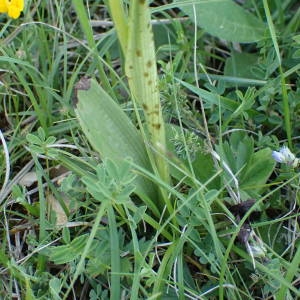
[285, 156]
[278, 156]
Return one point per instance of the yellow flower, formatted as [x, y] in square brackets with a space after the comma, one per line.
[12, 7]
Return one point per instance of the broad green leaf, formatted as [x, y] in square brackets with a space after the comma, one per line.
[224, 19]
[259, 169]
[66, 253]
[245, 151]
[241, 65]
[111, 132]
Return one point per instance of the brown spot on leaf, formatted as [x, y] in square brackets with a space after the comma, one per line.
[149, 64]
[156, 126]
[83, 84]
[145, 106]
[154, 112]
[138, 53]
[149, 82]
[146, 74]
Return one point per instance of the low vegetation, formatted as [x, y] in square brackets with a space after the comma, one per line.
[149, 149]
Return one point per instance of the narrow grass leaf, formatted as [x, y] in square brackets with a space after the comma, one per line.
[291, 272]
[120, 20]
[285, 100]
[115, 256]
[286, 284]
[87, 29]
[101, 212]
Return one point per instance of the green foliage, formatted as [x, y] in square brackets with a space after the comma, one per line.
[258, 171]
[39, 144]
[242, 65]
[251, 168]
[111, 132]
[225, 19]
[138, 47]
[194, 207]
[113, 182]
[63, 254]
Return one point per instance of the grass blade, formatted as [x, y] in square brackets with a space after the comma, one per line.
[115, 256]
[285, 100]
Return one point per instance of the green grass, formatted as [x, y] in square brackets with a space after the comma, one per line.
[135, 189]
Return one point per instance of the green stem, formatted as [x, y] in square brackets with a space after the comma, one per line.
[115, 256]
[286, 108]
[43, 210]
